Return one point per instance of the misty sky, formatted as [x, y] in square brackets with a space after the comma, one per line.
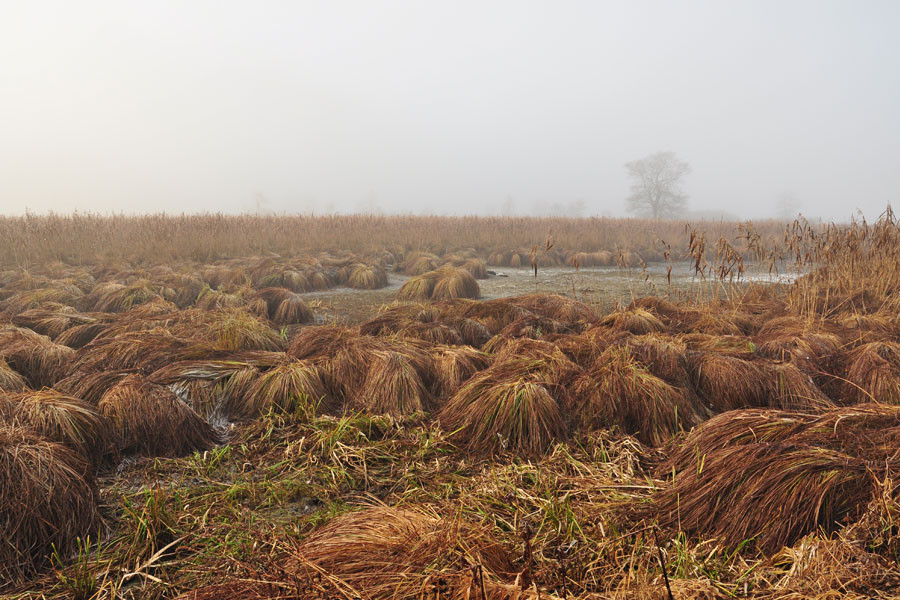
[446, 108]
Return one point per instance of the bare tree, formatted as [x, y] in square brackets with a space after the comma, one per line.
[656, 185]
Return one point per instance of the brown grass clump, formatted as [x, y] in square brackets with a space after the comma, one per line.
[726, 382]
[768, 494]
[10, 381]
[239, 330]
[151, 420]
[41, 361]
[289, 388]
[873, 373]
[508, 407]
[419, 287]
[772, 476]
[454, 365]
[67, 420]
[144, 350]
[393, 386]
[398, 554]
[556, 307]
[48, 500]
[116, 297]
[454, 283]
[293, 310]
[637, 321]
[618, 391]
[791, 388]
[90, 385]
[366, 277]
[419, 264]
[475, 267]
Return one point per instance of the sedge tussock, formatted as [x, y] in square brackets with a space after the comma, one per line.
[152, 420]
[398, 553]
[393, 386]
[557, 308]
[726, 382]
[637, 321]
[289, 388]
[454, 365]
[90, 385]
[39, 360]
[767, 494]
[293, 310]
[68, 420]
[505, 411]
[10, 381]
[366, 277]
[235, 330]
[873, 373]
[618, 391]
[417, 288]
[454, 283]
[48, 499]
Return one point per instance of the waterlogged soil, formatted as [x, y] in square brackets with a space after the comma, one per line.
[601, 287]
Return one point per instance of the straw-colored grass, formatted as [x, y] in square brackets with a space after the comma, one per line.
[152, 421]
[454, 365]
[67, 420]
[10, 381]
[636, 320]
[40, 361]
[289, 388]
[454, 283]
[393, 386]
[505, 410]
[48, 500]
[618, 391]
[873, 373]
[399, 554]
[726, 382]
[367, 277]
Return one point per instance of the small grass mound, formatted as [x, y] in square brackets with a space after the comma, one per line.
[393, 386]
[67, 420]
[635, 320]
[289, 388]
[505, 410]
[152, 420]
[402, 554]
[873, 373]
[48, 500]
[366, 277]
[618, 391]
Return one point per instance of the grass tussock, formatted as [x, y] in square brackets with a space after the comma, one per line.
[152, 420]
[393, 386]
[454, 365]
[68, 420]
[619, 391]
[397, 553]
[48, 499]
[873, 373]
[293, 387]
[39, 360]
[505, 409]
[638, 321]
[367, 277]
[10, 381]
[769, 477]
[727, 382]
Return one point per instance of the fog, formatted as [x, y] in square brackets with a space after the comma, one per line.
[500, 107]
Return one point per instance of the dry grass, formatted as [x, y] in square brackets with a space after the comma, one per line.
[768, 478]
[395, 553]
[367, 277]
[67, 420]
[635, 320]
[393, 386]
[151, 420]
[40, 361]
[48, 500]
[618, 391]
[289, 388]
[10, 381]
[873, 373]
[505, 409]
